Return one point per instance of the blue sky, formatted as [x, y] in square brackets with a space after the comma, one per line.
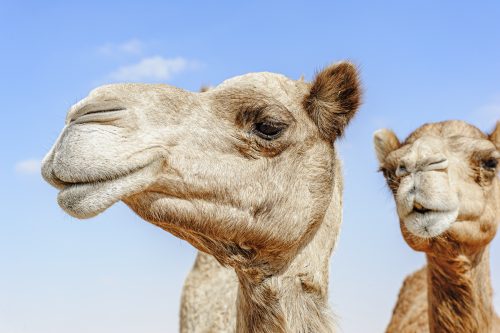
[421, 61]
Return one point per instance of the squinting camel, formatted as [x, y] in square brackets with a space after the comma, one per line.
[447, 193]
[246, 172]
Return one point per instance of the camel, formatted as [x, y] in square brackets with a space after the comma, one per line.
[246, 172]
[444, 181]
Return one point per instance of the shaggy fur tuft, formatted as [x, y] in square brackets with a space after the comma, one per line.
[334, 98]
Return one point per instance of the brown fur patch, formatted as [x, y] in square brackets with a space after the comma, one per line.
[334, 98]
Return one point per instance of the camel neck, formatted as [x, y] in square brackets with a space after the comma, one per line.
[460, 293]
[296, 298]
[282, 304]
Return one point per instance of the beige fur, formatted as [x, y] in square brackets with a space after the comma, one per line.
[444, 180]
[246, 172]
[208, 301]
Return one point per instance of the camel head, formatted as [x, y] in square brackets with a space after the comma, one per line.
[243, 171]
[444, 181]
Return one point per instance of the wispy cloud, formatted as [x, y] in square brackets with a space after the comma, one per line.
[153, 69]
[132, 46]
[28, 167]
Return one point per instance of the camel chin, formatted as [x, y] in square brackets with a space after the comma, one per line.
[86, 200]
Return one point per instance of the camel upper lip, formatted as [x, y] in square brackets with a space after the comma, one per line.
[62, 184]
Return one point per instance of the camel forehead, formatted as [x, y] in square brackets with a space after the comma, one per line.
[271, 84]
[456, 137]
[446, 129]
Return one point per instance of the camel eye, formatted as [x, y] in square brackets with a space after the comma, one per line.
[269, 131]
[490, 163]
[401, 170]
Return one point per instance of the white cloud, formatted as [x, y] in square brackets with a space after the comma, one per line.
[153, 68]
[132, 46]
[28, 167]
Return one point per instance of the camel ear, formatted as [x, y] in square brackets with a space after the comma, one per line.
[495, 135]
[334, 98]
[385, 141]
[205, 88]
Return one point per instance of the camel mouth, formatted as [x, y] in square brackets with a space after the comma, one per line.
[63, 184]
[429, 223]
[417, 208]
[86, 199]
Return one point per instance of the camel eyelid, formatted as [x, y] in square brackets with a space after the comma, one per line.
[280, 127]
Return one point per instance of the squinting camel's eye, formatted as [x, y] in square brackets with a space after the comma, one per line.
[268, 131]
[490, 163]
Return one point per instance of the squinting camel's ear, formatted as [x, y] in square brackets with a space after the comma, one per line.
[385, 141]
[334, 98]
[495, 135]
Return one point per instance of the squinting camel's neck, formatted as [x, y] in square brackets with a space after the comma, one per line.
[460, 294]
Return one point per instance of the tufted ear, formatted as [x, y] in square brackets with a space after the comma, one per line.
[205, 88]
[385, 141]
[495, 135]
[334, 98]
